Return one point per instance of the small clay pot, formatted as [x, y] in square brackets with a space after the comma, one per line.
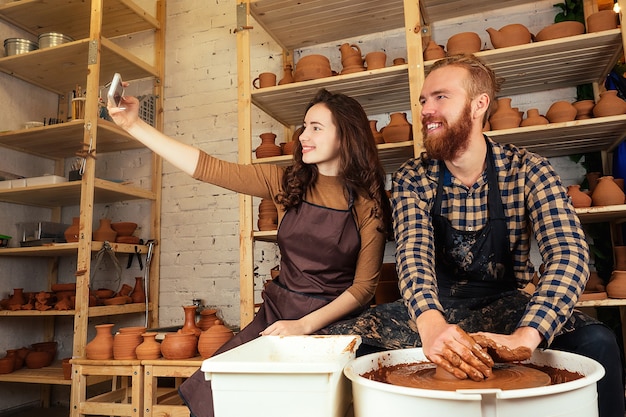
[6, 365]
[124, 345]
[268, 147]
[533, 118]
[561, 111]
[104, 232]
[607, 192]
[149, 348]
[398, 130]
[101, 346]
[312, 67]
[509, 35]
[602, 20]
[213, 339]
[433, 51]
[207, 318]
[578, 198]
[610, 104]
[378, 136]
[124, 228]
[616, 288]
[376, 60]
[67, 368]
[463, 43]
[71, 233]
[179, 345]
[38, 359]
[505, 117]
[584, 109]
[560, 30]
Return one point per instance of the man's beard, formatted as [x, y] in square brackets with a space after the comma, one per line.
[452, 140]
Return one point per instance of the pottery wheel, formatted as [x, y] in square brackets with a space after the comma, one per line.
[505, 376]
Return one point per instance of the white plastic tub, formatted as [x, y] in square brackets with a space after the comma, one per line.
[283, 377]
[572, 399]
[45, 180]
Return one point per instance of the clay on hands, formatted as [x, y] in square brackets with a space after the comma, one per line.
[501, 353]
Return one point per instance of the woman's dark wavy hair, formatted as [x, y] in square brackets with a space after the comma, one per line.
[360, 166]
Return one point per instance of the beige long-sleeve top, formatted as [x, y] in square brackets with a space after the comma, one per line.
[264, 181]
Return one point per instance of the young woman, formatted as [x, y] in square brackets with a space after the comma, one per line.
[334, 216]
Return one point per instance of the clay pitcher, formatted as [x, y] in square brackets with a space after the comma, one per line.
[348, 51]
[101, 346]
[433, 51]
[607, 192]
[609, 104]
[509, 35]
[578, 198]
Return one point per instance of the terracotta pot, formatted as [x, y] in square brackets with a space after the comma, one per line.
[463, 43]
[533, 118]
[505, 117]
[619, 255]
[138, 295]
[266, 225]
[376, 60]
[602, 20]
[149, 347]
[124, 228]
[124, 345]
[6, 365]
[607, 192]
[189, 325]
[103, 293]
[104, 232]
[18, 361]
[71, 233]
[584, 109]
[268, 147]
[101, 346]
[125, 290]
[560, 30]
[312, 67]
[132, 329]
[433, 51]
[207, 318]
[213, 339]
[578, 198]
[67, 368]
[616, 288]
[592, 180]
[179, 345]
[17, 299]
[38, 359]
[509, 35]
[398, 130]
[287, 75]
[399, 61]
[378, 136]
[609, 104]
[561, 111]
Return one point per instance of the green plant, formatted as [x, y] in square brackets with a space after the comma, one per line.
[570, 10]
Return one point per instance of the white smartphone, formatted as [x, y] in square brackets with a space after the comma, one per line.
[116, 90]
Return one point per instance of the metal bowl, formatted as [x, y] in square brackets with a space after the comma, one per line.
[17, 46]
[49, 39]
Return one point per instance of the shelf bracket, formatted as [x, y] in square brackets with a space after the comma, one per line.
[92, 58]
[242, 18]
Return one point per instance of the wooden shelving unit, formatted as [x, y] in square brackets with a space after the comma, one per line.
[89, 61]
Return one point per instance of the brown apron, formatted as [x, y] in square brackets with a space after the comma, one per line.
[319, 249]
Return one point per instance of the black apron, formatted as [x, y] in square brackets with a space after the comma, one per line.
[473, 264]
[319, 248]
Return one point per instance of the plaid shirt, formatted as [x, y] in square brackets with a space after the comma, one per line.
[534, 200]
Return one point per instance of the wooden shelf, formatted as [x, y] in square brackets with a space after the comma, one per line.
[378, 91]
[67, 249]
[602, 213]
[60, 68]
[436, 10]
[63, 140]
[558, 139]
[72, 17]
[608, 302]
[98, 311]
[52, 374]
[68, 194]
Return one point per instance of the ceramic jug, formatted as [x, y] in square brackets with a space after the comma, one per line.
[268, 146]
[607, 192]
[509, 35]
[101, 346]
[433, 51]
[578, 198]
[609, 104]
[505, 117]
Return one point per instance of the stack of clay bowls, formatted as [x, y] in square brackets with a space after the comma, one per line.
[312, 67]
[268, 215]
[351, 59]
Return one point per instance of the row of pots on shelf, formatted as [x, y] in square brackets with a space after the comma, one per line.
[507, 117]
[63, 297]
[517, 34]
[605, 191]
[204, 337]
[397, 130]
[121, 232]
[616, 287]
[39, 355]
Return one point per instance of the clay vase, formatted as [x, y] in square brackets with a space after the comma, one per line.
[101, 346]
[189, 325]
[376, 60]
[533, 118]
[207, 318]
[268, 146]
[561, 111]
[509, 35]
[149, 348]
[505, 117]
[398, 130]
[463, 43]
[179, 345]
[378, 136]
[433, 51]
[616, 288]
[124, 345]
[138, 295]
[584, 109]
[609, 104]
[619, 255]
[213, 339]
[287, 75]
[607, 192]
[602, 20]
[104, 232]
[17, 299]
[71, 233]
[578, 198]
